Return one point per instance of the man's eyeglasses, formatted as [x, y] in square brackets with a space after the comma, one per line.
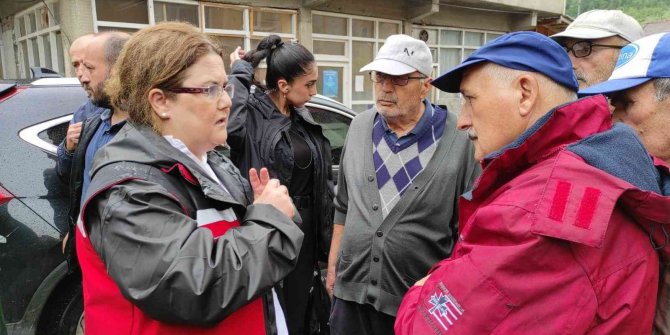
[213, 91]
[582, 49]
[379, 77]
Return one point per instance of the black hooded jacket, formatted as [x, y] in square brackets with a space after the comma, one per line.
[258, 137]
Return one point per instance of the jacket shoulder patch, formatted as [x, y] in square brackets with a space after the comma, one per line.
[576, 204]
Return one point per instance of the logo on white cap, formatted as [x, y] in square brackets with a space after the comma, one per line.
[627, 53]
[635, 58]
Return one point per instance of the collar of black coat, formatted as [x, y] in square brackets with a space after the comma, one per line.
[269, 110]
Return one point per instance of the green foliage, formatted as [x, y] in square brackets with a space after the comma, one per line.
[644, 11]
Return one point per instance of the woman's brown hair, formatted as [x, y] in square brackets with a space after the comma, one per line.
[154, 57]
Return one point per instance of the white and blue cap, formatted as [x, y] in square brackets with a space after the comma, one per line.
[639, 62]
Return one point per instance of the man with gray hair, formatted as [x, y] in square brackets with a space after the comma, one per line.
[638, 89]
[98, 60]
[593, 41]
[555, 236]
[403, 166]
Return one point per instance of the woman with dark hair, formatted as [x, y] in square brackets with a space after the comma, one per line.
[172, 239]
[270, 127]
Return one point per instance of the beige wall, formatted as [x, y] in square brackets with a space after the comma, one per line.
[549, 6]
[77, 17]
[469, 19]
[7, 49]
[76, 20]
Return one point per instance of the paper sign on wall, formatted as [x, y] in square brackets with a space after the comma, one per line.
[330, 83]
[358, 85]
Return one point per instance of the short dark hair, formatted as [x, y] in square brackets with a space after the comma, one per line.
[113, 46]
[284, 60]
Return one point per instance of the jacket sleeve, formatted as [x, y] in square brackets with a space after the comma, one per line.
[64, 157]
[241, 77]
[63, 162]
[341, 200]
[176, 272]
[502, 283]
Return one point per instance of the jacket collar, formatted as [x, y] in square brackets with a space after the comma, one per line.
[562, 125]
[143, 145]
[269, 110]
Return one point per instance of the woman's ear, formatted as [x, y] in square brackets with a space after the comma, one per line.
[283, 86]
[159, 103]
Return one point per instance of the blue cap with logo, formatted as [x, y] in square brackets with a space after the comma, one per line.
[523, 50]
[639, 62]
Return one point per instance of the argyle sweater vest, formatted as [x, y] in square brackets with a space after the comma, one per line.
[397, 166]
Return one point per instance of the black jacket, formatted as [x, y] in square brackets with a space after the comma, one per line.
[75, 180]
[258, 137]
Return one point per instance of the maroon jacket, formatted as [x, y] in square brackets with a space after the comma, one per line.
[549, 242]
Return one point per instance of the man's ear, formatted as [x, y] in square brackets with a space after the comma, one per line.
[425, 88]
[529, 89]
[158, 101]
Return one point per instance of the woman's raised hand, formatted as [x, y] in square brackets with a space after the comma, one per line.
[270, 191]
[237, 54]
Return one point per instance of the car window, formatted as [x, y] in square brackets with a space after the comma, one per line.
[335, 126]
[47, 135]
[55, 134]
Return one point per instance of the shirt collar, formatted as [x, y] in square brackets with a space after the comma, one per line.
[106, 115]
[424, 121]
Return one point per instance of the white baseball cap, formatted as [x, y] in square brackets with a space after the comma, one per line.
[639, 62]
[402, 54]
[601, 23]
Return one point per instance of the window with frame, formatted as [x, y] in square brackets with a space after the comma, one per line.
[450, 47]
[229, 26]
[354, 42]
[38, 39]
[232, 26]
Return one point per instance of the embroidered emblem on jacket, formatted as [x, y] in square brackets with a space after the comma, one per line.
[445, 309]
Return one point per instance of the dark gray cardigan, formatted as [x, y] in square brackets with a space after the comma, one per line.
[380, 259]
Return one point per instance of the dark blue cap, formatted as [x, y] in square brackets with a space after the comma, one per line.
[522, 50]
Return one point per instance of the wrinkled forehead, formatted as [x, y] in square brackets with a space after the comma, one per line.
[473, 74]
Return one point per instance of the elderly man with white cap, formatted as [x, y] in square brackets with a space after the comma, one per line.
[403, 166]
[555, 236]
[593, 42]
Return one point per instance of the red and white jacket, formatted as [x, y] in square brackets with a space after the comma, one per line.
[165, 250]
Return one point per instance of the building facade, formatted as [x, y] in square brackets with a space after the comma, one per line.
[344, 35]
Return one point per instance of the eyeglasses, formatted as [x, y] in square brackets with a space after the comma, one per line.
[213, 92]
[582, 49]
[378, 77]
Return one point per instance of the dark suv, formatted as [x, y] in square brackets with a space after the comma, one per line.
[37, 295]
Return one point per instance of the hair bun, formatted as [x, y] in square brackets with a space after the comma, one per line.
[277, 45]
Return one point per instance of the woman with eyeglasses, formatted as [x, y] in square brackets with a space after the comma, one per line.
[270, 127]
[172, 239]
